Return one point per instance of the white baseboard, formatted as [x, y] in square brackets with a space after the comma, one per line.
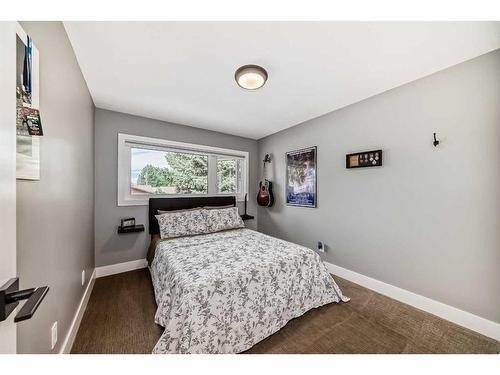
[113, 269]
[463, 318]
[77, 319]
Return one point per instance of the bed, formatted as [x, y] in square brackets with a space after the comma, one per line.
[224, 292]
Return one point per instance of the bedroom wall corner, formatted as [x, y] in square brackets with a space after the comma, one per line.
[112, 248]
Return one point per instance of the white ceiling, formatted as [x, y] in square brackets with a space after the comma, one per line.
[183, 72]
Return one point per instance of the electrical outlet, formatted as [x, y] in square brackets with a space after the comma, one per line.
[321, 247]
[54, 335]
[83, 277]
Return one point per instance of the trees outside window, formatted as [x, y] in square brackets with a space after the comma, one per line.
[180, 173]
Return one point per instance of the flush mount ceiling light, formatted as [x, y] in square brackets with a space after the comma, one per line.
[250, 77]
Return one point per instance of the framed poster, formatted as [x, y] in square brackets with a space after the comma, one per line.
[27, 107]
[301, 167]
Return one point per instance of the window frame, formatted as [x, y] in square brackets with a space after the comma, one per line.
[127, 141]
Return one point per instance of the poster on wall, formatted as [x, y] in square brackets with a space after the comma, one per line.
[28, 124]
[301, 177]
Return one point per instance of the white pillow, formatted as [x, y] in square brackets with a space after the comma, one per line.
[223, 219]
[182, 223]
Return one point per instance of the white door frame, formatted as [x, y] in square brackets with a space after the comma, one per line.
[8, 343]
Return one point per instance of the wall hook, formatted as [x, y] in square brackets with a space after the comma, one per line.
[436, 142]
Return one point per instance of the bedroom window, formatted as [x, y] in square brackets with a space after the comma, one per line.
[229, 175]
[150, 167]
[167, 172]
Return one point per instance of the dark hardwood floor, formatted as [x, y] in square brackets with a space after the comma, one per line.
[120, 319]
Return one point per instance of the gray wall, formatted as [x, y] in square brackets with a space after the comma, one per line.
[427, 221]
[8, 175]
[111, 248]
[55, 216]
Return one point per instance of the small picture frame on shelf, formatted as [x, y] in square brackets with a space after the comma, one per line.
[128, 222]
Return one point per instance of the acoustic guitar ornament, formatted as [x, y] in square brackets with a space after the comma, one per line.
[265, 197]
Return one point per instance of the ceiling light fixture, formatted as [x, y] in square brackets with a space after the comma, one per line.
[250, 77]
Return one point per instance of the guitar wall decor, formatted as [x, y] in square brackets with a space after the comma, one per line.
[265, 197]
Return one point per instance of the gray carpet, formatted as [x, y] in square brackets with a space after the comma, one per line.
[120, 319]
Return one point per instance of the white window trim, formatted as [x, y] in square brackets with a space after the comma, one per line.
[124, 177]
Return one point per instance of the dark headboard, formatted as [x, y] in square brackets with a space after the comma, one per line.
[172, 204]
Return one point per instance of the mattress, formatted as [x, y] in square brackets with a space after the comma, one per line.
[224, 292]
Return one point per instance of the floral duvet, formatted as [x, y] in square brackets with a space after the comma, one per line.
[224, 292]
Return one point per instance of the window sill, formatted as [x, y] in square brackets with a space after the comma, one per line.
[145, 201]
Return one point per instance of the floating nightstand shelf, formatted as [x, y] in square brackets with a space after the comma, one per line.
[245, 216]
[135, 228]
